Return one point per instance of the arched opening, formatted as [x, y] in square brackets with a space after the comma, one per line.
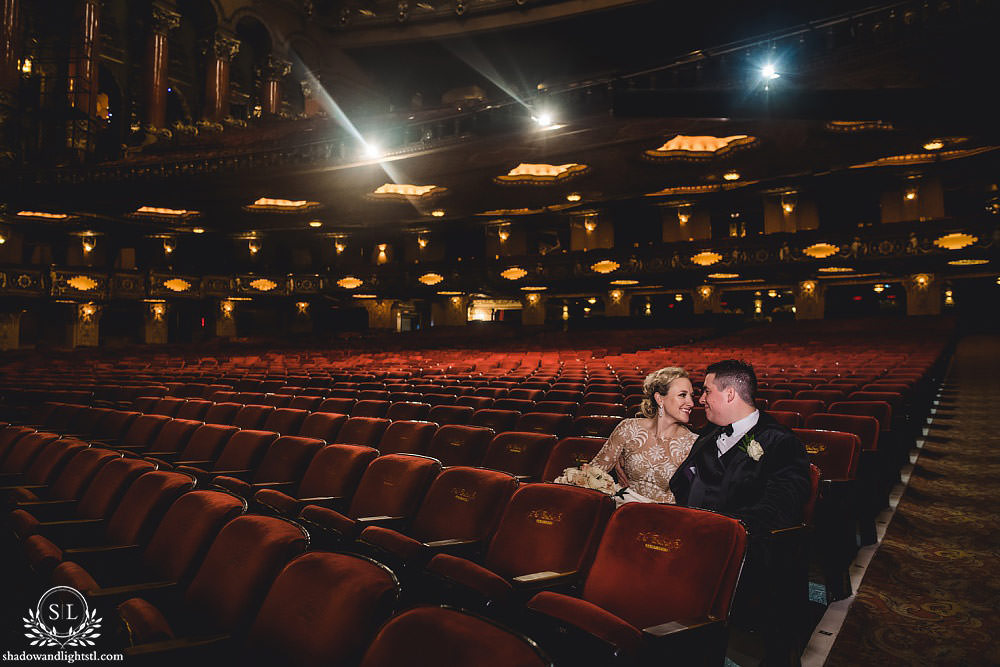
[255, 45]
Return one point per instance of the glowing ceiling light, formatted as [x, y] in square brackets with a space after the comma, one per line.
[955, 241]
[350, 282]
[365, 296]
[605, 266]
[42, 216]
[772, 293]
[315, 223]
[723, 276]
[821, 250]
[968, 262]
[592, 301]
[878, 288]
[438, 213]
[431, 278]
[159, 212]
[699, 147]
[513, 273]
[624, 282]
[263, 284]
[707, 258]
[370, 150]
[198, 230]
[82, 283]
[573, 197]
[541, 174]
[836, 269]
[177, 285]
[934, 145]
[534, 288]
[732, 175]
[406, 191]
[678, 297]
[449, 293]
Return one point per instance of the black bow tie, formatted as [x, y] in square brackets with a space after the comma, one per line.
[728, 429]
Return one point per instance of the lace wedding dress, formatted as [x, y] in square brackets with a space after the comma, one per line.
[647, 461]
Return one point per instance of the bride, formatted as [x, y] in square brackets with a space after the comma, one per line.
[645, 451]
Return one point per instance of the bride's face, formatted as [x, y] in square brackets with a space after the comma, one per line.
[678, 401]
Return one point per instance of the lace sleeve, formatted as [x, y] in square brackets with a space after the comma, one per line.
[611, 453]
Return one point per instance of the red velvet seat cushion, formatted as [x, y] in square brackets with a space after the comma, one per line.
[69, 573]
[588, 617]
[23, 523]
[282, 503]
[470, 575]
[237, 486]
[41, 554]
[144, 622]
[328, 519]
[403, 547]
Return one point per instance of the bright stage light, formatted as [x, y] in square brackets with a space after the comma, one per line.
[768, 72]
[371, 151]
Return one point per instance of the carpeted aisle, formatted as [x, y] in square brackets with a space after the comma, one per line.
[931, 595]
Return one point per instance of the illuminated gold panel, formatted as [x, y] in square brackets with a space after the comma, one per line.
[955, 241]
[968, 262]
[821, 250]
[605, 266]
[514, 273]
[406, 191]
[534, 288]
[699, 147]
[836, 269]
[924, 158]
[281, 205]
[155, 212]
[263, 284]
[685, 190]
[350, 282]
[723, 276]
[431, 278]
[82, 283]
[177, 285]
[541, 174]
[43, 216]
[706, 258]
[624, 282]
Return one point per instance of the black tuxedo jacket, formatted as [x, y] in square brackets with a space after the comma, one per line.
[764, 494]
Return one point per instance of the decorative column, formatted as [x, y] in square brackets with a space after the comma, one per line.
[220, 53]
[617, 304]
[452, 311]
[275, 68]
[85, 329]
[10, 331]
[225, 321]
[162, 21]
[810, 300]
[302, 320]
[923, 294]
[10, 50]
[154, 331]
[82, 78]
[381, 313]
[533, 310]
[707, 299]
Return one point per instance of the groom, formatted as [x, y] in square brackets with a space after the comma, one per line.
[750, 467]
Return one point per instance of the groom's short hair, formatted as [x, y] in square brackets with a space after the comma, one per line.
[736, 374]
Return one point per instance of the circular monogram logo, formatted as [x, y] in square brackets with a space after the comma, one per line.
[62, 618]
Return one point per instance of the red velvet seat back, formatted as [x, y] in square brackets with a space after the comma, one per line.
[519, 453]
[370, 408]
[78, 472]
[108, 485]
[286, 421]
[167, 406]
[22, 453]
[174, 435]
[491, 392]
[557, 407]
[602, 397]
[450, 414]
[477, 402]
[186, 531]
[244, 449]
[322, 425]
[193, 408]
[409, 437]
[144, 430]
[828, 396]
[498, 420]
[436, 636]
[144, 503]
[456, 445]
[407, 410]
[362, 431]
[336, 471]
[463, 503]
[689, 561]
[526, 394]
[345, 599]
[601, 409]
[803, 407]
[61, 416]
[252, 416]
[599, 426]
[222, 413]
[51, 460]
[206, 442]
[570, 396]
[86, 420]
[277, 400]
[880, 410]
[114, 424]
[892, 398]
[571, 452]
[835, 453]
[286, 459]
[786, 418]
[308, 403]
[866, 428]
[772, 395]
[393, 485]
[238, 570]
[548, 527]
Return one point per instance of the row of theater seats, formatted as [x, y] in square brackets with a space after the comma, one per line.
[182, 564]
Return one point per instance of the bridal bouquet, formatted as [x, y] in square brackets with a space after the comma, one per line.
[589, 477]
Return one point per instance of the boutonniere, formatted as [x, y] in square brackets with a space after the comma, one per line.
[752, 448]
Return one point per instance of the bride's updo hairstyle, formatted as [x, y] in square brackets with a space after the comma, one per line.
[658, 382]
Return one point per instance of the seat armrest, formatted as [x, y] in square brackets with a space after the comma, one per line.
[444, 544]
[200, 464]
[277, 486]
[73, 532]
[10, 479]
[105, 558]
[789, 531]
[384, 521]
[243, 474]
[32, 487]
[49, 510]
[114, 595]
[547, 580]
[524, 479]
[187, 649]
[330, 502]
[674, 628]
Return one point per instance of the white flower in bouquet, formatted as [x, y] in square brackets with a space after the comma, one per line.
[589, 477]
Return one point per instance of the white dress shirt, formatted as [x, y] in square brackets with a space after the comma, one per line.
[740, 428]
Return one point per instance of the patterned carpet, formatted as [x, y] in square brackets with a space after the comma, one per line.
[931, 595]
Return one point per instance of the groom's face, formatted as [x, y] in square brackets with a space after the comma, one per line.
[714, 398]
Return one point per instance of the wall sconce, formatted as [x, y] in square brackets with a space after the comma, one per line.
[88, 243]
[949, 299]
[503, 234]
[678, 298]
[456, 301]
[590, 224]
[382, 257]
[683, 216]
[922, 280]
[565, 312]
[616, 295]
[910, 194]
[705, 291]
[26, 66]
[586, 309]
[87, 312]
[532, 298]
[649, 307]
[438, 213]
[253, 245]
[878, 288]
[422, 242]
[758, 306]
[168, 246]
[808, 286]
[227, 307]
[302, 307]
[3, 238]
[339, 247]
[788, 203]
[157, 310]
[772, 293]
